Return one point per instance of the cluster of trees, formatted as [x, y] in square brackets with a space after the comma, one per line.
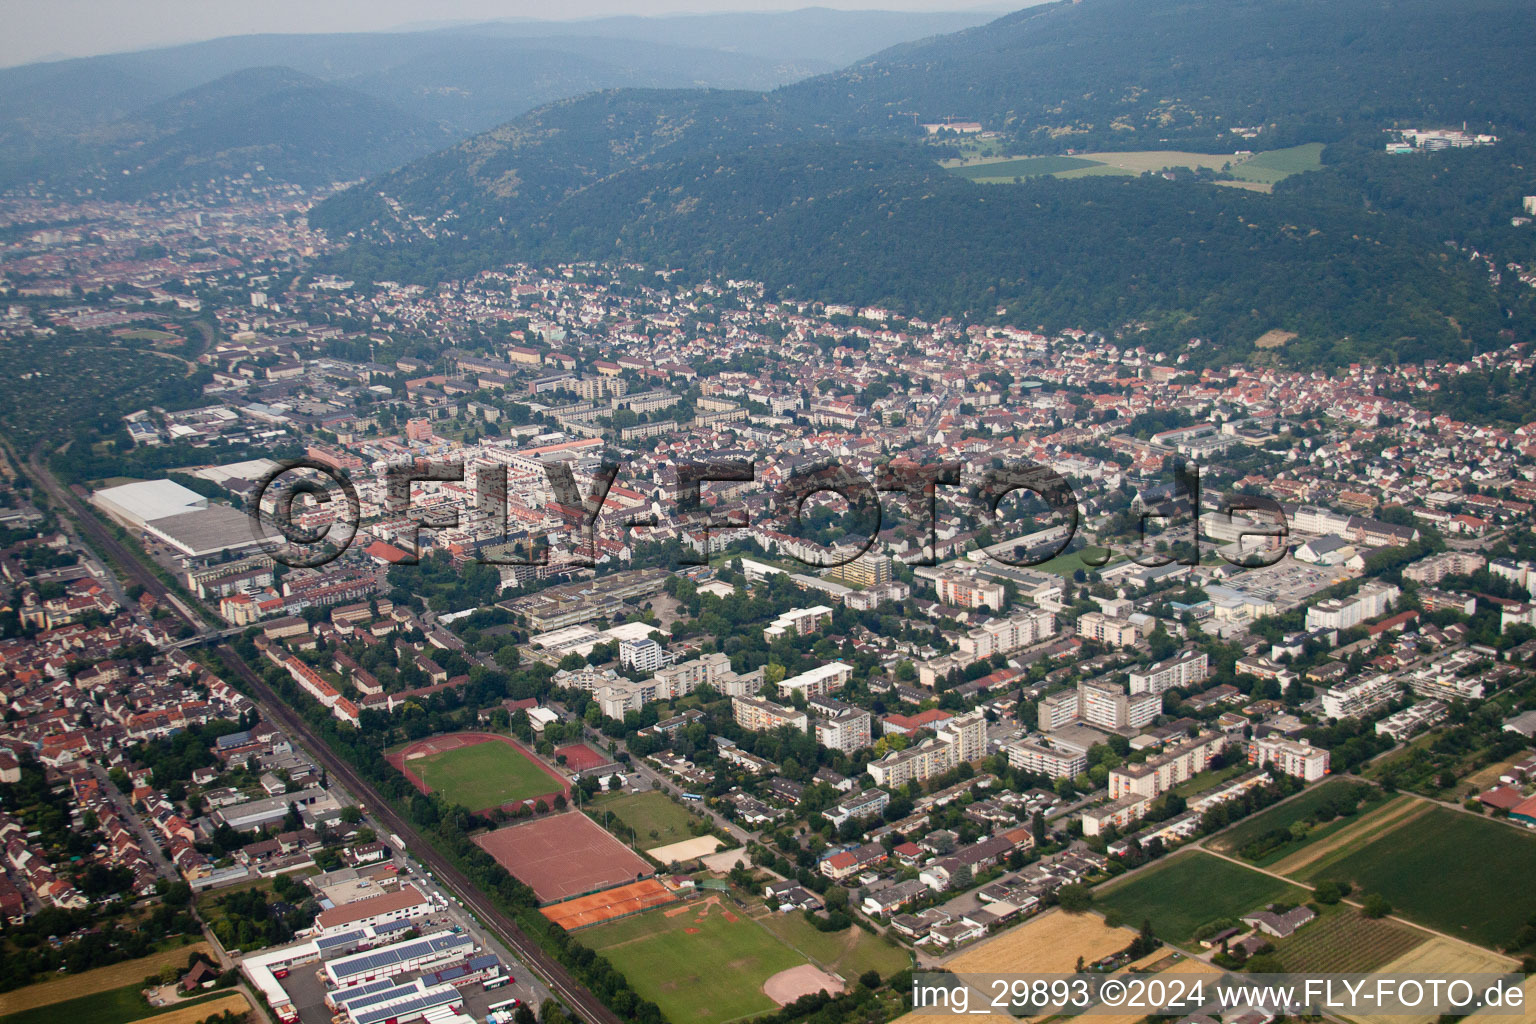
[247, 919]
[105, 936]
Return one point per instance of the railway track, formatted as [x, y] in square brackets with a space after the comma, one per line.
[560, 981]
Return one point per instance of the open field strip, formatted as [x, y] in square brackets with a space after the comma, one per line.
[101, 979]
[1455, 872]
[1372, 823]
[1444, 958]
[1049, 944]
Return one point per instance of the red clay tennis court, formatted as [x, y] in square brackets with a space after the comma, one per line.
[612, 903]
[581, 758]
[564, 855]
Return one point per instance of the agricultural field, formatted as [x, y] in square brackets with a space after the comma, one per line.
[130, 973]
[701, 963]
[1259, 172]
[1190, 890]
[1324, 840]
[1445, 958]
[1050, 943]
[848, 953]
[1277, 164]
[121, 1006]
[655, 819]
[1304, 807]
[1026, 167]
[1343, 940]
[1449, 870]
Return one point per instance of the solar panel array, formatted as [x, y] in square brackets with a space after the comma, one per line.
[380, 960]
[440, 995]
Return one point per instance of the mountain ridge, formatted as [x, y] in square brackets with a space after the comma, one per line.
[619, 174]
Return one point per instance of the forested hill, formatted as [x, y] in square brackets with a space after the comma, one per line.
[1161, 74]
[823, 190]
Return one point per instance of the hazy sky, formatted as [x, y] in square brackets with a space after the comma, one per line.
[48, 29]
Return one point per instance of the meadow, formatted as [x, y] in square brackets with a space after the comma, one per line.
[1187, 891]
[1452, 871]
[653, 817]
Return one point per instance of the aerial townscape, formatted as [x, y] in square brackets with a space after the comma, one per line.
[716, 537]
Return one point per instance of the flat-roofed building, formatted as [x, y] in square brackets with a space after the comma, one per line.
[798, 622]
[1360, 697]
[1106, 629]
[1189, 668]
[819, 681]
[1108, 706]
[1042, 758]
[1293, 757]
[404, 904]
[760, 715]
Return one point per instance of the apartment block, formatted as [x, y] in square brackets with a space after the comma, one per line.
[1108, 706]
[1293, 757]
[1435, 568]
[958, 740]
[1057, 709]
[961, 591]
[1044, 759]
[868, 570]
[1190, 668]
[1106, 629]
[1121, 813]
[798, 622]
[1003, 635]
[645, 655]
[1157, 775]
[1352, 699]
[840, 726]
[819, 681]
[1369, 602]
[760, 715]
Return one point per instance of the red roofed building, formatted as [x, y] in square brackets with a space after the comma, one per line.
[1502, 798]
[909, 724]
[386, 554]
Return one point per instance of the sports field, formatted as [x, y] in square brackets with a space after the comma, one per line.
[1345, 941]
[1190, 890]
[655, 819]
[1454, 872]
[563, 855]
[477, 770]
[701, 962]
[585, 911]
[848, 953]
